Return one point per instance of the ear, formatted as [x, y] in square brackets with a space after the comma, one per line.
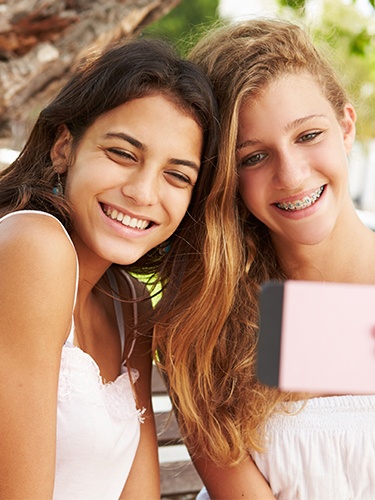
[62, 149]
[348, 127]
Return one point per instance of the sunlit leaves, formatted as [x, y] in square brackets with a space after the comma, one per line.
[349, 34]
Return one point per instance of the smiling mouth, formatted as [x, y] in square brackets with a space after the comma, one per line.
[125, 219]
[306, 201]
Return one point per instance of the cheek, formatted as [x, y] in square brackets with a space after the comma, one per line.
[76, 189]
[178, 204]
[82, 181]
[247, 187]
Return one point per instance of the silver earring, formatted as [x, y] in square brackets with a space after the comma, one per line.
[58, 189]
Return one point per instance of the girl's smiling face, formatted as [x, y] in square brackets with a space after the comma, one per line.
[292, 159]
[132, 178]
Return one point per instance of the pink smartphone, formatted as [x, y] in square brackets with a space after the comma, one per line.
[317, 337]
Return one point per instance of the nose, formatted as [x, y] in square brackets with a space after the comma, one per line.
[290, 171]
[142, 187]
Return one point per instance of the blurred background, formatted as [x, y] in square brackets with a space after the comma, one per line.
[345, 28]
[42, 40]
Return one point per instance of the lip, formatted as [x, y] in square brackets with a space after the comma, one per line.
[134, 222]
[303, 201]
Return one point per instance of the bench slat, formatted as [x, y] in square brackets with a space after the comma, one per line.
[177, 473]
[179, 478]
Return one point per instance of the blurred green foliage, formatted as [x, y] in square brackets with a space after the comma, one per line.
[184, 25]
[298, 5]
[301, 4]
[347, 35]
[351, 36]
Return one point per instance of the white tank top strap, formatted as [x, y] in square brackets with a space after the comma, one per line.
[119, 311]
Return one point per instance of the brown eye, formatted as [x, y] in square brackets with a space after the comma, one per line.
[121, 153]
[179, 179]
[310, 136]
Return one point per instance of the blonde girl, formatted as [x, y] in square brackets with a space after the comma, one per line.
[287, 128]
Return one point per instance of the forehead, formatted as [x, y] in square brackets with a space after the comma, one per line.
[284, 98]
[149, 123]
[141, 109]
[284, 82]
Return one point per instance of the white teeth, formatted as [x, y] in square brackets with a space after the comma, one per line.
[126, 220]
[301, 204]
[114, 214]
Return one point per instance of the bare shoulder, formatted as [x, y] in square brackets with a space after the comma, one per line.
[38, 270]
[38, 238]
[24, 224]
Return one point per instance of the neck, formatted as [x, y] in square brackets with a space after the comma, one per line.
[92, 267]
[346, 256]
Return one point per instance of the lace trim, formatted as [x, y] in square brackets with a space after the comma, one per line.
[80, 380]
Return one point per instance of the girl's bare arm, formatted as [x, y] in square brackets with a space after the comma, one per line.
[243, 481]
[37, 285]
[144, 478]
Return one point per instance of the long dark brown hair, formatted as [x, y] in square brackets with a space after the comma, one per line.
[124, 72]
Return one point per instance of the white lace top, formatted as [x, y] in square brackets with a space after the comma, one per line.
[98, 424]
[97, 430]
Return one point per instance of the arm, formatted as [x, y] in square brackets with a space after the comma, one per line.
[144, 478]
[37, 283]
[243, 481]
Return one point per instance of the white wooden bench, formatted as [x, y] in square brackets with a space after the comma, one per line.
[179, 478]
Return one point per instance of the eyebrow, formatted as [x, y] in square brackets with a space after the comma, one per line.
[250, 142]
[137, 144]
[128, 138]
[302, 121]
[289, 126]
[187, 163]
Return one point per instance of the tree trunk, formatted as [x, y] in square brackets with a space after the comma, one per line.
[42, 40]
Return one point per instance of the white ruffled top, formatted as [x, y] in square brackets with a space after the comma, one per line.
[326, 451]
[97, 429]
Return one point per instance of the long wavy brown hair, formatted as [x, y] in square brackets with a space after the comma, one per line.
[207, 342]
[121, 73]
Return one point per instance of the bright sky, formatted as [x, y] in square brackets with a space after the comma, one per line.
[246, 8]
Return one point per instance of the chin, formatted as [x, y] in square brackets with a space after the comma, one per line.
[127, 261]
[312, 238]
